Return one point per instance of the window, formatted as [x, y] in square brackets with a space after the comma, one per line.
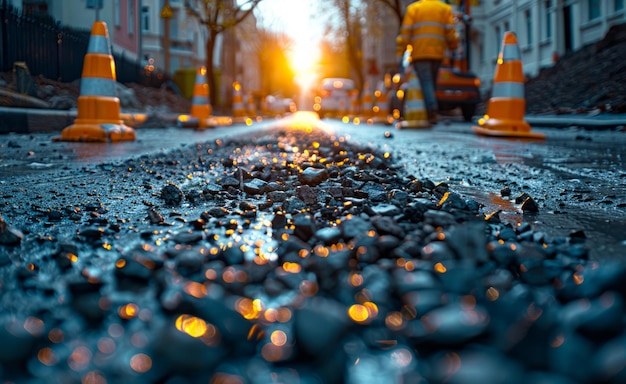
[618, 5]
[546, 26]
[116, 13]
[174, 27]
[131, 17]
[529, 27]
[594, 9]
[498, 37]
[145, 18]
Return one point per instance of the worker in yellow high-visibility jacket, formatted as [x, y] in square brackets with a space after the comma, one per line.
[429, 28]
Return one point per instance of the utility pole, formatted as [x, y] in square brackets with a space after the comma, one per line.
[166, 15]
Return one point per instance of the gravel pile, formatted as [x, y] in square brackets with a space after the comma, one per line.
[294, 257]
[592, 78]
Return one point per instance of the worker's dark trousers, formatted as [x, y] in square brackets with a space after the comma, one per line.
[426, 71]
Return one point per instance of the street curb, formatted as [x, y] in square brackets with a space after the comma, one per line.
[31, 120]
[563, 121]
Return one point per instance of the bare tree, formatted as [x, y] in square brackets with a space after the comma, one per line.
[396, 6]
[218, 16]
[276, 73]
[349, 31]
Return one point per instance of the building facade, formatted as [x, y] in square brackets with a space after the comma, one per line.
[545, 29]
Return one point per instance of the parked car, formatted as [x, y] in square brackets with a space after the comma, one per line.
[333, 97]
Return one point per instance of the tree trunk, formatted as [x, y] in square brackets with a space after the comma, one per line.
[210, 70]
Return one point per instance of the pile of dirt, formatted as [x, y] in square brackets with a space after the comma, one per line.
[591, 78]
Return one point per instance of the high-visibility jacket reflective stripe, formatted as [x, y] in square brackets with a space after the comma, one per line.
[429, 28]
[508, 89]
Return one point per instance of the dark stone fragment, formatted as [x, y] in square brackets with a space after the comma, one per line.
[354, 227]
[529, 205]
[386, 210]
[415, 186]
[461, 277]
[572, 357]
[304, 226]
[398, 197]
[386, 244]
[85, 300]
[132, 275]
[91, 234]
[328, 235]
[313, 176]
[229, 182]
[577, 236]
[454, 324]
[277, 196]
[307, 194]
[453, 201]
[506, 234]
[600, 318]
[155, 217]
[294, 205]
[521, 198]
[415, 286]
[55, 215]
[246, 206]
[9, 235]
[279, 223]
[172, 195]
[439, 218]
[194, 196]
[409, 249]
[218, 212]
[478, 365]
[187, 237]
[255, 187]
[468, 241]
[233, 256]
[505, 192]
[313, 339]
[387, 225]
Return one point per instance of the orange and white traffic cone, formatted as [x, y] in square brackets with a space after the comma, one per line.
[99, 118]
[354, 103]
[251, 104]
[507, 105]
[381, 109]
[200, 116]
[367, 105]
[265, 109]
[415, 115]
[239, 111]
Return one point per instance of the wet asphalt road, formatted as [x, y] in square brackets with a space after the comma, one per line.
[572, 177]
[578, 177]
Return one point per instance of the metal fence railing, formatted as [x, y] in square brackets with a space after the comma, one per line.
[57, 52]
